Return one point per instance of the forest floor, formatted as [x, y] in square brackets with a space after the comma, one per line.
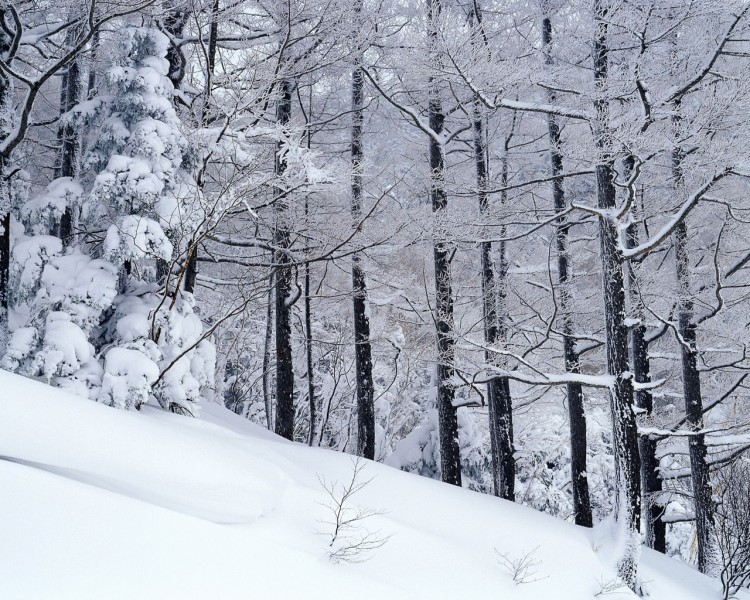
[103, 504]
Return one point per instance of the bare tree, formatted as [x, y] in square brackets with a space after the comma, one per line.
[576, 412]
[362, 346]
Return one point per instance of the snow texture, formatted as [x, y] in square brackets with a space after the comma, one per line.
[154, 505]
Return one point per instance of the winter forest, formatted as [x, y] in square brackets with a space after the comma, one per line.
[503, 244]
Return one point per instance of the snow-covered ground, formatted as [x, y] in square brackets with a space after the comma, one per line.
[103, 504]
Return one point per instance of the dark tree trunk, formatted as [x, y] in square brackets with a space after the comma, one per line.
[625, 431]
[282, 243]
[651, 483]
[309, 353]
[576, 412]
[450, 460]
[4, 263]
[703, 502]
[498, 389]
[174, 23]
[655, 528]
[191, 268]
[691, 382]
[5, 199]
[503, 414]
[70, 95]
[267, 392]
[362, 346]
[213, 38]
[91, 83]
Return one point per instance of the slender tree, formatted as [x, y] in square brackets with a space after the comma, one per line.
[283, 278]
[627, 459]
[362, 346]
[498, 388]
[576, 413]
[691, 384]
[651, 482]
[450, 460]
[68, 136]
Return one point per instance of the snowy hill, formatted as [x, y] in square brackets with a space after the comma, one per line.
[99, 503]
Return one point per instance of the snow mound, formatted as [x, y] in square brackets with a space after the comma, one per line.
[100, 503]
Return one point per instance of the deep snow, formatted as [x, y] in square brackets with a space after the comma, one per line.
[99, 503]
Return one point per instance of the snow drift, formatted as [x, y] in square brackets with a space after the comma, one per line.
[101, 503]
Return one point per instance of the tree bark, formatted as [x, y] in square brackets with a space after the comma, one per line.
[4, 267]
[652, 509]
[267, 393]
[499, 403]
[6, 123]
[655, 528]
[70, 144]
[691, 383]
[625, 431]
[282, 243]
[309, 353]
[450, 460]
[576, 413]
[191, 268]
[174, 23]
[362, 346]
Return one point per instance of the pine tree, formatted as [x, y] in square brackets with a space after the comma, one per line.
[152, 342]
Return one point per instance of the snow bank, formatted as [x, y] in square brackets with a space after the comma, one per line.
[100, 503]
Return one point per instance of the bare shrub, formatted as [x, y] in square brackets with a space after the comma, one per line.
[351, 541]
[732, 527]
[522, 569]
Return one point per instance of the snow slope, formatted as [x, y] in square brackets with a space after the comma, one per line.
[104, 504]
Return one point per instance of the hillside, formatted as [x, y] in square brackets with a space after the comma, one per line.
[101, 503]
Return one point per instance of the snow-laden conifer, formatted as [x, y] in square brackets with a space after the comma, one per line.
[152, 343]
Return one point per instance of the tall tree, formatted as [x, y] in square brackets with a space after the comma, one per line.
[362, 345]
[691, 384]
[68, 136]
[627, 458]
[450, 460]
[651, 482]
[576, 412]
[283, 276]
[28, 82]
[498, 388]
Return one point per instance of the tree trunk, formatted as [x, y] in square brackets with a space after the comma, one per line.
[362, 346]
[4, 265]
[6, 123]
[576, 412]
[655, 528]
[282, 242]
[498, 388]
[191, 268]
[691, 382]
[267, 393]
[174, 23]
[651, 483]
[309, 353]
[70, 95]
[702, 492]
[625, 431]
[450, 460]
[91, 82]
